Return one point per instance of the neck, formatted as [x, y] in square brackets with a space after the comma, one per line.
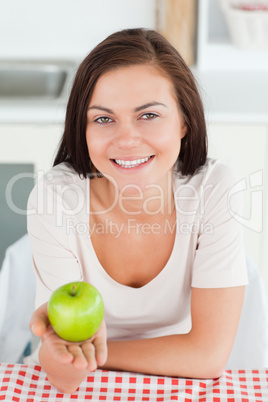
[146, 205]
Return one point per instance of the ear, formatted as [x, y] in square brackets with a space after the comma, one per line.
[184, 130]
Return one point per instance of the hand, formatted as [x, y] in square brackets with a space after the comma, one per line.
[87, 355]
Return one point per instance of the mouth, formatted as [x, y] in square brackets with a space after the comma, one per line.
[129, 164]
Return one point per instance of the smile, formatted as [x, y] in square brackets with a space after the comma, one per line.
[131, 164]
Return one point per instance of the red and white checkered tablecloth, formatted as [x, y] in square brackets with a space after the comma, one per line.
[29, 384]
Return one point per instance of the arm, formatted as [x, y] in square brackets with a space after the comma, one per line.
[56, 263]
[202, 353]
[67, 363]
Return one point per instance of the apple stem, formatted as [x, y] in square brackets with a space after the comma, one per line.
[73, 290]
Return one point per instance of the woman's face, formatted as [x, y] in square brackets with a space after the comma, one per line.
[134, 126]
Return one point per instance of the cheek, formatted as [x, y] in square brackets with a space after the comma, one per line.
[170, 142]
[94, 144]
[89, 143]
[93, 150]
[168, 137]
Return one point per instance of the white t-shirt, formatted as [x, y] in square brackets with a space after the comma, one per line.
[208, 251]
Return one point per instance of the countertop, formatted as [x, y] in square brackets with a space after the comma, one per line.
[229, 97]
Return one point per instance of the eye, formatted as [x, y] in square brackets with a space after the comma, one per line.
[149, 116]
[103, 120]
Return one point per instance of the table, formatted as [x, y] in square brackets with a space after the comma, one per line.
[29, 384]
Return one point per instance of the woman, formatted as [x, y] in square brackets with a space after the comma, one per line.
[133, 206]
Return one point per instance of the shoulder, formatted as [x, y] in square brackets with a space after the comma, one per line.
[214, 186]
[213, 172]
[63, 173]
[59, 177]
[60, 183]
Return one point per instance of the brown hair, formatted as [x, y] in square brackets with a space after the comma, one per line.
[124, 48]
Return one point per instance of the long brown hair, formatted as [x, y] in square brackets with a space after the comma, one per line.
[124, 48]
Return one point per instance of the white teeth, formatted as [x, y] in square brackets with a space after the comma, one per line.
[131, 164]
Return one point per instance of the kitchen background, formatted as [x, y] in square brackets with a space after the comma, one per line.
[226, 47]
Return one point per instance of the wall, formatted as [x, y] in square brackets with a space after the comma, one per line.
[65, 28]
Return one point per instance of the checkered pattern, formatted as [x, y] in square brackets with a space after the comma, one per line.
[29, 384]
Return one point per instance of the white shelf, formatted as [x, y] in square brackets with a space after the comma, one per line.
[234, 96]
[215, 50]
[233, 81]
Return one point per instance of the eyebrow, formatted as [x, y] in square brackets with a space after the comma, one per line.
[137, 109]
[104, 109]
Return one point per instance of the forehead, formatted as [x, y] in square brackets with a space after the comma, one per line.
[133, 82]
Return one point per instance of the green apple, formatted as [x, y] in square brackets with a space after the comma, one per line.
[75, 311]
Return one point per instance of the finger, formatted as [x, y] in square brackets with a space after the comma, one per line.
[89, 353]
[39, 320]
[61, 353]
[100, 343]
[101, 351]
[49, 333]
[79, 360]
[58, 346]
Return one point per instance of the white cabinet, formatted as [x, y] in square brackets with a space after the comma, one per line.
[30, 143]
[244, 147]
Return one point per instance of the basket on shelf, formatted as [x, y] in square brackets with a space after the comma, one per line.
[247, 21]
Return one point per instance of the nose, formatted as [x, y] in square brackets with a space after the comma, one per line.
[127, 136]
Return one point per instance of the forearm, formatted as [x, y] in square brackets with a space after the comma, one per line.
[202, 353]
[176, 355]
[63, 376]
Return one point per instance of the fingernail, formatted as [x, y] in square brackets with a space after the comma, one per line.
[32, 327]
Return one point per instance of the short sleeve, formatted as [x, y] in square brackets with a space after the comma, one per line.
[54, 263]
[220, 259]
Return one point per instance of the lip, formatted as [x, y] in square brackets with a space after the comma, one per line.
[132, 158]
